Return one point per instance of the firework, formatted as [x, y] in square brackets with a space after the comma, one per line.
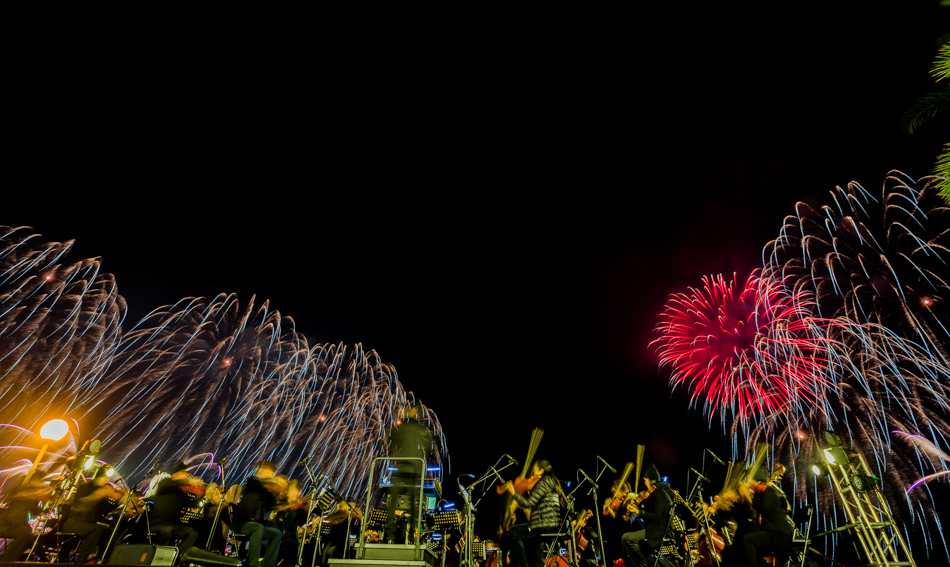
[201, 380]
[749, 352]
[61, 324]
[246, 384]
[884, 261]
[866, 280]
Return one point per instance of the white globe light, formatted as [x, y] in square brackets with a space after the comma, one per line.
[54, 430]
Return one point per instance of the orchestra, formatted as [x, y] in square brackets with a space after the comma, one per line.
[269, 520]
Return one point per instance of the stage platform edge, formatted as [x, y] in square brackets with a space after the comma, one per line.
[48, 564]
[390, 554]
[379, 562]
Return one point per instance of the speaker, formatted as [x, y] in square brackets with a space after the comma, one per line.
[199, 556]
[143, 554]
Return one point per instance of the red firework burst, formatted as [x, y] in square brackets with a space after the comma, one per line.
[753, 351]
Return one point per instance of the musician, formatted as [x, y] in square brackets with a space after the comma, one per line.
[772, 533]
[172, 497]
[409, 439]
[291, 514]
[654, 512]
[14, 519]
[258, 499]
[544, 514]
[586, 539]
[211, 518]
[343, 520]
[87, 507]
[616, 523]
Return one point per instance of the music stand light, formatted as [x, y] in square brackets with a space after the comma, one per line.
[449, 519]
[377, 517]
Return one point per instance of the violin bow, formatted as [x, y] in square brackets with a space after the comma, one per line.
[640, 451]
[536, 435]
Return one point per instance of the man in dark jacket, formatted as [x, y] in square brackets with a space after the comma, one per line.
[410, 439]
[258, 499]
[774, 533]
[90, 501]
[655, 513]
[172, 496]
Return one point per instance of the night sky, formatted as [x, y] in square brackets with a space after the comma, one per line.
[499, 213]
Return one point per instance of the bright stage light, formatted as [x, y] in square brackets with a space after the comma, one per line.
[863, 482]
[54, 430]
[835, 456]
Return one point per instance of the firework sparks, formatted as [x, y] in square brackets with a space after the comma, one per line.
[866, 280]
[60, 327]
[195, 376]
[866, 260]
[929, 449]
[245, 382]
[750, 351]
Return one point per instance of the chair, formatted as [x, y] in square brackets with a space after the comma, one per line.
[54, 551]
[232, 497]
[551, 547]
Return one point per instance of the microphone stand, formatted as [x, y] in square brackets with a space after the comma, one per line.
[706, 525]
[318, 536]
[470, 509]
[565, 528]
[603, 554]
[469, 523]
[221, 504]
[115, 529]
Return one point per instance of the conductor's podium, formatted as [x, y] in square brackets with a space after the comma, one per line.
[390, 554]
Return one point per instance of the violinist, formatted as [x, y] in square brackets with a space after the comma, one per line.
[88, 502]
[544, 513]
[211, 518]
[173, 495]
[654, 507]
[15, 518]
[772, 531]
[620, 521]
[619, 491]
[258, 499]
[343, 520]
[290, 516]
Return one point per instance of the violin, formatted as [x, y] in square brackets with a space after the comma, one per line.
[619, 493]
[520, 483]
[638, 499]
[580, 540]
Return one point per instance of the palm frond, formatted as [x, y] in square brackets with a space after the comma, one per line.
[924, 109]
[941, 67]
[942, 169]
